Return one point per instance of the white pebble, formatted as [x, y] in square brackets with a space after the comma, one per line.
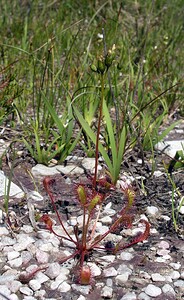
[175, 275]
[48, 247]
[27, 228]
[41, 277]
[163, 245]
[152, 210]
[124, 269]
[182, 275]
[110, 272]
[82, 289]
[5, 290]
[22, 242]
[81, 298]
[153, 290]
[175, 266]
[53, 270]
[121, 279]
[14, 285]
[106, 220]
[95, 270]
[181, 211]
[106, 292]
[8, 241]
[168, 289]
[157, 277]
[42, 257]
[26, 291]
[13, 297]
[40, 294]
[179, 283]
[64, 287]
[126, 255]
[129, 296]
[15, 263]
[26, 256]
[13, 254]
[34, 284]
[143, 296]
[109, 282]
[4, 231]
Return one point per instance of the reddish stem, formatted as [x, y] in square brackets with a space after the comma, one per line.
[46, 183]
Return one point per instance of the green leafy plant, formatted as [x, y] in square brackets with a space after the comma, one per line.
[177, 162]
[175, 192]
[116, 146]
[9, 91]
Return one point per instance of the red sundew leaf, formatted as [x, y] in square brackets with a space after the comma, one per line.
[140, 237]
[48, 222]
[85, 275]
[47, 182]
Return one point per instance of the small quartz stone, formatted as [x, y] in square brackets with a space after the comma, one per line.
[175, 266]
[179, 283]
[13, 297]
[4, 290]
[109, 282]
[157, 277]
[8, 241]
[41, 277]
[124, 269]
[106, 292]
[145, 275]
[82, 289]
[34, 284]
[129, 296]
[106, 220]
[81, 298]
[13, 254]
[181, 210]
[143, 296]
[121, 279]
[53, 270]
[26, 256]
[15, 263]
[110, 272]
[42, 257]
[14, 285]
[152, 210]
[126, 255]
[168, 289]
[4, 231]
[26, 291]
[27, 228]
[175, 275]
[95, 270]
[64, 287]
[40, 294]
[163, 245]
[153, 290]
[22, 242]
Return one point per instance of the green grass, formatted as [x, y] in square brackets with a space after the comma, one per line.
[51, 46]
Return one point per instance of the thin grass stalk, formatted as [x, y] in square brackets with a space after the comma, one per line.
[98, 130]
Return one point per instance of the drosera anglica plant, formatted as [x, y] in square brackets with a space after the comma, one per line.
[85, 239]
[91, 198]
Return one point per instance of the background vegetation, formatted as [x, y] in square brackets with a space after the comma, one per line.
[46, 50]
